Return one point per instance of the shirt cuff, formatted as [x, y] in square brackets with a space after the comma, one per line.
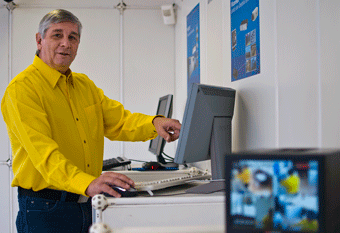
[156, 117]
[153, 133]
[81, 182]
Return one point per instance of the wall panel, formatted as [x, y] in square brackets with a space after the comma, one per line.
[329, 72]
[149, 69]
[297, 71]
[4, 142]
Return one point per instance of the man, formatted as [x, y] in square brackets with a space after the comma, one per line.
[56, 121]
[244, 174]
[291, 183]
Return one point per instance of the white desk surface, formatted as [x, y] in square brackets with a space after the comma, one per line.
[185, 229]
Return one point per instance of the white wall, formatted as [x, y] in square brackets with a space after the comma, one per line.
[5, 171]
[149, 65]
[297, 70]
[294, 101]
[329, 71]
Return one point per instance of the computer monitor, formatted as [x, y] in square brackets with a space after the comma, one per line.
[283, 190]
[156, 145]
[206, 130]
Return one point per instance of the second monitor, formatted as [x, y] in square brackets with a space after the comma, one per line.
[156, 145]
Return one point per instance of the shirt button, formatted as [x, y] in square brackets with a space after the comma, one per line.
[88, 165]
[84, 141]
[77, 119]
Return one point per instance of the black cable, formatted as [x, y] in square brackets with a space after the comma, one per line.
[168, 157]
[169, 160]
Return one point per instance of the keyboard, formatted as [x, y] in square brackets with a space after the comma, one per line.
[115, 162]
[155, 180]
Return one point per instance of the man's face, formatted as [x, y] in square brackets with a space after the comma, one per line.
[59, 47]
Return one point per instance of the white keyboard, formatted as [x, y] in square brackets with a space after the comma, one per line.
[155, 180]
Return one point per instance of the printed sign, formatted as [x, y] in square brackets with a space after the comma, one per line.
[245, 38]
[193, 46]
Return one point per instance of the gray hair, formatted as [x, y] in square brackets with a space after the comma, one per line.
[57, 16]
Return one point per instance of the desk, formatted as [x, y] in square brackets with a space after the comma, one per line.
[186, 229]
[169, 210]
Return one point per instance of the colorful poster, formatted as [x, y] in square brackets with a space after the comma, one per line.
[245, 38]
[193, 46]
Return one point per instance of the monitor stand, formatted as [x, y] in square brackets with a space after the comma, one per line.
[161, 160]
[220, 146]
[170, 165]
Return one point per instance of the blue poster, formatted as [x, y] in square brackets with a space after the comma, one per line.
[245, 38]
[193, 46]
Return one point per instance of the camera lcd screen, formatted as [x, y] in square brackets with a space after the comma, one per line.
[274, 195]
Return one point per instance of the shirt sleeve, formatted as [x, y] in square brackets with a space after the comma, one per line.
[28, 123]
[122, 125]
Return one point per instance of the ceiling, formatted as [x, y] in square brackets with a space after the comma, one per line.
[89, 3]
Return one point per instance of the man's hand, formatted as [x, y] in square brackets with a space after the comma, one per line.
[101, 184]
[167, 128]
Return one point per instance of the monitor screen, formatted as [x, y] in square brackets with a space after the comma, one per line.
[156, 145]
[275, 195]
[276, 192]
[206, 127]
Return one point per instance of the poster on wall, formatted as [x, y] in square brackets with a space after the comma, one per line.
[245, 38]
[193, 46]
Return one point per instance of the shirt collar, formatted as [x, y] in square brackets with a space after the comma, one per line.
[51, 74]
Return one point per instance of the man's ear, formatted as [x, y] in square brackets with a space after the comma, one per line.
[38, 39]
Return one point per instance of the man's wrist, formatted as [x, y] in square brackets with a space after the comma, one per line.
[158, 116]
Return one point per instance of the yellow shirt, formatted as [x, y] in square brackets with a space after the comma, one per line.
[57, 128]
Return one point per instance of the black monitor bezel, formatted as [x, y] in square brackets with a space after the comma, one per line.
[270, 156]
[161, 142]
